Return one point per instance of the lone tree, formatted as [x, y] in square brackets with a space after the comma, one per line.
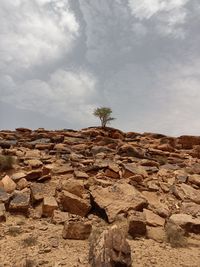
[104, 114]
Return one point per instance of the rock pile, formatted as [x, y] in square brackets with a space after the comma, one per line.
[81, 178]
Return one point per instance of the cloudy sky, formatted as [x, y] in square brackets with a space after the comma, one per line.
[59, 59]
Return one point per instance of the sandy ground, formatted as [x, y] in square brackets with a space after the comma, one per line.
[28, 243]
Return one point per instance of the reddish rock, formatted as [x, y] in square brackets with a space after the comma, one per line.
[137, 225]
[153, 219]
[76, 230]
[110, 249]
[74, 204]
[49, 205]
[8, 184]
[20, 202]
[116, 199]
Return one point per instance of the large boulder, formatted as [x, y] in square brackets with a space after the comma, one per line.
[110, 249]
[116, 199]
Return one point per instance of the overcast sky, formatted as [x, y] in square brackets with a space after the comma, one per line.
[59, 59]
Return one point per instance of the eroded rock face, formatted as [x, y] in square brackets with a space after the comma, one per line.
[76, 230]
[118, 198]
[110, 249]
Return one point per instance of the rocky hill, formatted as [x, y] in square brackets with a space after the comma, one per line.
[66, 185]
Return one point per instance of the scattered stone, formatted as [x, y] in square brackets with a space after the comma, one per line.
[74, 204]
[8, 184]
[137, 225]
[49, 205]
[153, 219]
[76, 230]
[20, 202]
[2, 212]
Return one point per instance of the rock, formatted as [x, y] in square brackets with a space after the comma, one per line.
[33, 175]
[17, 176]
[110, 249]
[81, 175]
[153, 219]
[190, 208]
[113, 171]
[137, 225]
[60, 217]
[186, 192]
[76, 230]
[37, 192]
[74, 204]
[132, 169]
[63, 169]
[23, 183]
[187, 222]
[20, 202]
[34, 163]
[194, 179]
[4, 196]
[2, 213]
[156, 203]
[49, 205]
[156, 233]
[116, 199]
[127, 150]
[187, 141]
[75, 187]
[8, 184]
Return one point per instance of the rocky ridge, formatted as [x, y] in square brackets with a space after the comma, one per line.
[93, 178]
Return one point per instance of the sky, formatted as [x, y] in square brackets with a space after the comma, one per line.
[60, 59]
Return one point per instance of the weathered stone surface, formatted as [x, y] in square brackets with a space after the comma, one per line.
[187, 222]
[118, 198]
[81, 175]
[33, 175]
[132, 169]
[156, 233]
[62, 169]
[137, 225]
[8, 184]
[186, 192]
[34, 163]
[37, 192]
[190, 208]
[73, 186]
[60, 217]
[153, 219]
[188, 141]
[194, 179]
[76, 230]
[110, 249]
[4, 196]
[131, 151]
[49, 205]
[17, 176]
[20, 202]
[23, 183]
[156, 204]
[74, 204]
[2, 212]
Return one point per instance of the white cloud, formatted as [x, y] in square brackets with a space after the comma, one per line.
[32, 33]
[67, 95]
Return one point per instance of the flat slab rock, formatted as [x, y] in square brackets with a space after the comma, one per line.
[118, 198]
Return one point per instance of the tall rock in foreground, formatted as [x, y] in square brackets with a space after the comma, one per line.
[110, 249]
